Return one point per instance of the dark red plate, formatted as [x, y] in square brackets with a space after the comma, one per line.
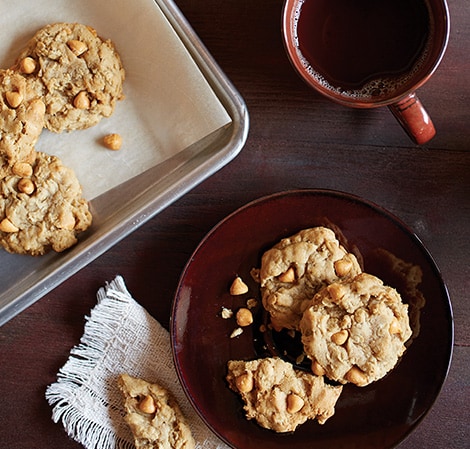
[380, 415]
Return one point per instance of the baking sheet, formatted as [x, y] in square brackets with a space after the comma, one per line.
[159, 117]
[181, 121]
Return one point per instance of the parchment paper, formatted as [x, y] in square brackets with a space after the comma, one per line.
[168, 106]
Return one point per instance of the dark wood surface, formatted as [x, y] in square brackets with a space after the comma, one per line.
[297, 139]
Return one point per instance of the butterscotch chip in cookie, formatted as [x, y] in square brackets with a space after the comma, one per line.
[296, 268]
[46, 208]
[279, 397]
[154, 416]
[78, 75]
[355, 330]
[21, 119]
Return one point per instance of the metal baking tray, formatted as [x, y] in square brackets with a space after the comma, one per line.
[121, 210]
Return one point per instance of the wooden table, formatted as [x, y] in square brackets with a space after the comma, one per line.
[297, 139]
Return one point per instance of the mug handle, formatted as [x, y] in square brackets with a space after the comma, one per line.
[414, 119]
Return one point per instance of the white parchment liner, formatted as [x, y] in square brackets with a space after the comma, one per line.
[169, 105]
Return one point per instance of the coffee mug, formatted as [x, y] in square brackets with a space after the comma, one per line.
[369, 53]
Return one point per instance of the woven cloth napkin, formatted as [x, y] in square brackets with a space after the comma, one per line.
[119, 336]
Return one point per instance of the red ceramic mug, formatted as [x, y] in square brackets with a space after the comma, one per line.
[369, 53]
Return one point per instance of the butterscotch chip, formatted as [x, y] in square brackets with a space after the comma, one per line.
[80, 76]
[22, 169]
[238, 287]
[279, 397]
[112, 141]
[47, 210]
[296, 268]
[25, 185]
[26, 65]
[21, 119]
[357, 336]
[7, 226]
[244, 317]
[154, 416]
[14, 99]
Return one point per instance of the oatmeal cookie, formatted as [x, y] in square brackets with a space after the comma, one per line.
[355, 331]
[21, 120]
[78, 75]
[153, 416]
[279, 397]
[41, 207]
[296, 268]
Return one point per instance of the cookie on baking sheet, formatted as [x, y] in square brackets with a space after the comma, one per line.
[78, 74]
[21, 119]
[279, 397]
[355, 331]
[298, 267]
[153, 416]
[41, 207]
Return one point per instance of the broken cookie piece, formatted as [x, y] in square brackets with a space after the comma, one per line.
[280, 397]
[154, 416]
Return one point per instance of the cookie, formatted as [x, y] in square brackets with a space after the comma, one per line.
[279, 397]
[41, 207]
[355, 331]
[153, 416]
[78, 75]
[296, 268]
[21, 120]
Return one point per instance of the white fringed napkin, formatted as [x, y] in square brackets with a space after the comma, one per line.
[120, 336]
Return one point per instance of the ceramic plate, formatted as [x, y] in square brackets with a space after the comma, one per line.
[379, 415]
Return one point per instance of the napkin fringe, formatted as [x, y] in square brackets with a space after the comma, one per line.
[71, 387]
[119, 336]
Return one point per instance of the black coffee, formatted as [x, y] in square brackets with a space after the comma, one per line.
[352, 42]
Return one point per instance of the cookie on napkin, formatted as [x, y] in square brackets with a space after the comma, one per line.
[154, 416]
[119, 336]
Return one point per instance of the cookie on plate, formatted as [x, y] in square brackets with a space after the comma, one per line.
[296, 268]
[21, 119]
[355, 331]
[41, 207]
[78, 75]
[153, 416]
[280, 397]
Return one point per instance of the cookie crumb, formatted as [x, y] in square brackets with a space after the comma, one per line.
[255, 274]
[226, 313]
[238, 331]
[251, 303]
